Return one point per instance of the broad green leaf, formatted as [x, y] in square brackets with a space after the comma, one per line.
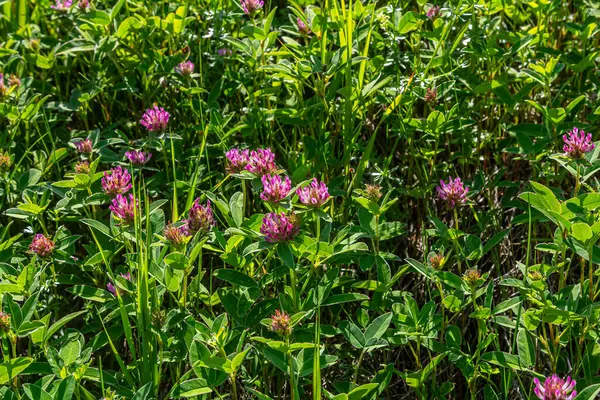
[235, 277]
[236, 206]
[377, 328]
[13, 368]
[344, 298]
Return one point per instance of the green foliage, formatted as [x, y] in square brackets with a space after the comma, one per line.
[385, 288]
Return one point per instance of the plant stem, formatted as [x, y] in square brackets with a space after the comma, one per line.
[317, 357]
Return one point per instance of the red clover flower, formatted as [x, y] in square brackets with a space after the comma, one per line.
[62, 5]
[431, 95]
[555, 388]
[252, 6]
[111, 288]
[42, 245]
[186, 68]
[122, 208]
[279, 227]
[314, 195]
[302, 27]
[155, 119]
[577, 143]
[117, 182]
[373, 192]
[261, 162]
[82, 167]
[275, 189]
[4, 322]
[138, 157]
[200, 218]
[280, 323]
[177, 236]
[433, 12]
[84, 146]
[5, 161]
[237, 160]
[454, 192]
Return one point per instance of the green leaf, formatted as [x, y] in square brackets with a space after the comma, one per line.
[408, 23]
[60, 323]
[377, 328]
[29, 327]
[589, 393]
[96, 17]
[344, 298]
[190, 388]
[12, 368]
[452, 303]
[218, 363]
[497, 238]
[526, 348]
[362, 391]
[236, 207]
[97, 226]
[285, 253]
[69, 352]
[353, 334]
[90, 293]
[548, 198]
[503, 359]
[116, 8]
[235, 277]
[581, 231]
[176, 261]
[65, 389]
[144, 393]
[239, 359]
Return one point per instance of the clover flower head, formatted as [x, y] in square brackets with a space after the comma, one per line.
[5, 161]
[472, 277]
[275, 189]
[155, 119]
[250, 7]
[62, 5]
[14, 80]
[122, 208]
[555, 388]
[111, 288]
[82, 167]
[117, 182]
[237, 160]
[302, 27]
[280, 323]
[431, 95]
[138, 157]
[313, 195]
[42, 245]
[4, 322]
[261, 162]
[454, 192]
[433, 12]
[279, 227]
[177, 236]
[437, 260]
[200, 218]
[577, 143]
[84, 146]
[373, 192]
[223, 52]
[84, 4]
[185, 68]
